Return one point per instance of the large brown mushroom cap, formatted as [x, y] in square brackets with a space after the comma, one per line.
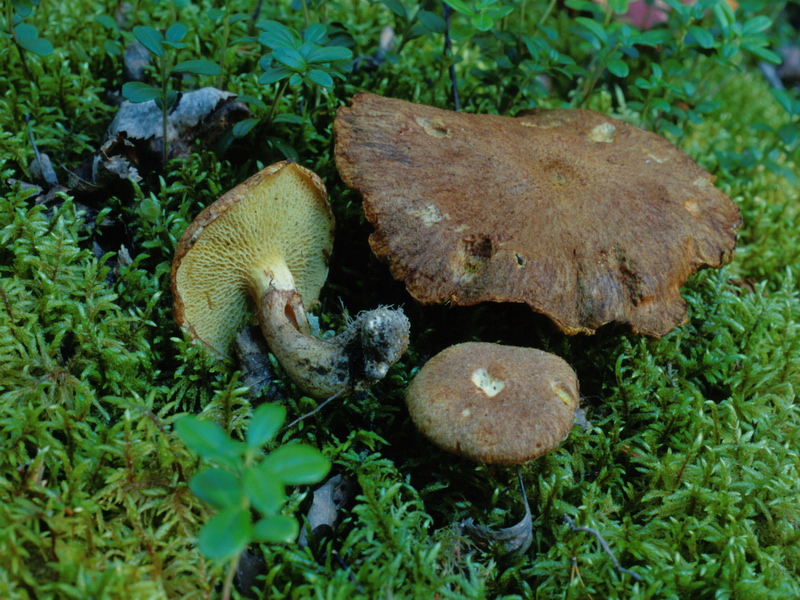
[494, 404]
[273, 230]
[583, 217]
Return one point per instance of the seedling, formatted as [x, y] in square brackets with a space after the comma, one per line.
[163, 47]
[309, 59]
[246, 479]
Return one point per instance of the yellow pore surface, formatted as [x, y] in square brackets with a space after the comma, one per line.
[277, 230]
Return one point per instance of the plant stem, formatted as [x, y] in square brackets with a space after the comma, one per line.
[547, 12]
[448, 52]
[228, 585]
[277, 99]
[164, 107]
[12, 33]
[226, 30]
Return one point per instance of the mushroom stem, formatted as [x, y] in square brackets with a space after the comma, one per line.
[352, 361]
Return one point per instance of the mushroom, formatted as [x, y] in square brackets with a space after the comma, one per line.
[494, 404]
[585, 218]
[265, 244]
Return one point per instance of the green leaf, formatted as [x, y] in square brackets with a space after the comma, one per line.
[198, 66]
[252, 100]
[176, 45]
[283, 147]
[460, 7]
[321, 78]
[264, 424]
[594, 27]
[763, 53]
[107, 21]
[176, 32]
[617, 67]
[497, 13]
[277, 35]
[482, 22]
[37, 45]
[172, 97]
[290, 57]
[431, 21]
[274, 74]
[216, 13]
[25, 31]
[217, 488]
[397, 8]
[297, 464]
[724, 14]
[278, 528]
[150, 209]
[150, 39]
[226, 534]
[756, 25]
[329, 54]
[137, 91]
[264, 489]
[619, 6]
[781, 170]
[208, 440]
[703, 36]
[289, 118]
[314, 33]
[242, 128]
[112, 48]
[785, 99]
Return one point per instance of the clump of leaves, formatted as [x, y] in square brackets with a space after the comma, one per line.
[248, 480]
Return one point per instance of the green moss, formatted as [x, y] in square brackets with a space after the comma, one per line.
[689, 468]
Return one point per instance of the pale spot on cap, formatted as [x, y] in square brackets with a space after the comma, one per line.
[483, 380]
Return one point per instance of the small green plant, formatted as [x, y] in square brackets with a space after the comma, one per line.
[482, 14]
[24, 35]
[247, 480]
[295, 59]
[413, 22]
[163, 47]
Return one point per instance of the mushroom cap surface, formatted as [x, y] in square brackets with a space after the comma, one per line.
[275, 229]
[494, 404]
[585, 218]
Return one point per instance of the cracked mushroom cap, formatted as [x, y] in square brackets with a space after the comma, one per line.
[275, 229]
[494, 404]
[585, 218]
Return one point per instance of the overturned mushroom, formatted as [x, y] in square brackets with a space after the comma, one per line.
[266, 243]
[585, 218]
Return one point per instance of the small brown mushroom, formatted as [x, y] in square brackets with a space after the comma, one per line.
[266, 244]
[585, 218]
[494, 404]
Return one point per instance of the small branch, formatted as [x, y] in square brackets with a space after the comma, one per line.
[316, 410]
[604, 545]
[448, 52]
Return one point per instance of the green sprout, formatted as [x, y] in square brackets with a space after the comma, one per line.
[163, 47]
[247, 480]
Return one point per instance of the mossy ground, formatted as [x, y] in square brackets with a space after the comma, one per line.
[690, 469]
